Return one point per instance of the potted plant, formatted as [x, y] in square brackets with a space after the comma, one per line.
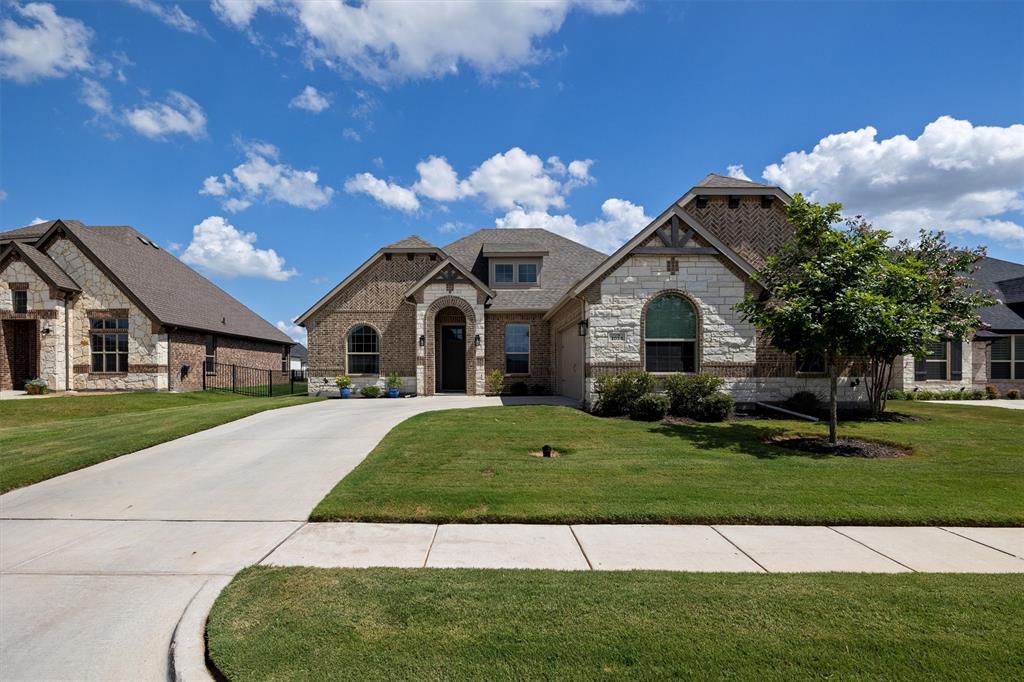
[36, 387]
[344, 385]
[394, 384]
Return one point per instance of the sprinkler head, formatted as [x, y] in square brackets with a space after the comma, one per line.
[546, 450]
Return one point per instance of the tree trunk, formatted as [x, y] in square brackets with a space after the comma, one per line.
[833, 406]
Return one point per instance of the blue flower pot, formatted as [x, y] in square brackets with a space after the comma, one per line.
[392, 392]
[346, 392]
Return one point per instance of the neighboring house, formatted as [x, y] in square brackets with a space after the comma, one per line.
[297, 359]
[554, 314]
[104, 308]
[996, 353]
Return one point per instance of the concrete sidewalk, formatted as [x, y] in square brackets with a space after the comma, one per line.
[773, 549]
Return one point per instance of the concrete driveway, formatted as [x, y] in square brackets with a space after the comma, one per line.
[1002, 402]
[97, 566]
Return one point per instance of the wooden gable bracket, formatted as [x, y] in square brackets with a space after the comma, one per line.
[675, 240]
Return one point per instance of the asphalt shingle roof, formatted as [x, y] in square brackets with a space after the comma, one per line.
[50, 269]
[29, 233]
[566, 263]
[1002, 279]
[413, 241]
[725, 182]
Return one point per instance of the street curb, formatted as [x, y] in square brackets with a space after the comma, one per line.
[188, 643]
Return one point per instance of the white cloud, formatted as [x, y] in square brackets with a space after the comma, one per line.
[955, 176]
[3, 195]
[438, 180]
[620, 220]
[293, 330]
[263, 178]
[310, 99]
[351, 134]
[220, 249]
[178, 115]
[382, 40]
[171, 15]
[96, 97]
[387, 193]
[48, 46]
[736, 171]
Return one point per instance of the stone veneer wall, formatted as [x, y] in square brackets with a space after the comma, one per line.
[726, 346]
[540, 377]
[147, 347]
[374, 298]
[903, 375]
[433, 298]
[44, 305]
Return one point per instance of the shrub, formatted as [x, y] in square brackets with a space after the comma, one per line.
[519, 388]
[344, 381]
[617, 393]
[650, 407]
[496, 382]
[992, 391]
[1013, 394]
[804, 402]
[687, 391]
[393, 381]
[924, 395]
[370, 391]
[897, 394]
[975, 394]
[715, 408]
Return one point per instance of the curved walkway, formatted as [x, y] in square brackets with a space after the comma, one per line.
[98, 565]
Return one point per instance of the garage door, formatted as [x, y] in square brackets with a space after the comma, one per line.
[570, 363]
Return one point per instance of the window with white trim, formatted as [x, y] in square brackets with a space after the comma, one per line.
[108, 341]
[517, 349]
[363, 350]
[670, 335]
[1006, 360]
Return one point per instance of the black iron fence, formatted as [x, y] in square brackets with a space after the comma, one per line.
[253, 381]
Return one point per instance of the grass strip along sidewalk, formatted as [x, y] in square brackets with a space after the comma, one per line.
[431, 624]
[476, 465]
[40, 439]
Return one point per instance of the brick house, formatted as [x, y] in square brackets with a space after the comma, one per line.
[104, 308]
[554, 314]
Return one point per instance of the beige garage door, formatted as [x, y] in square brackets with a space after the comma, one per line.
[570, 363]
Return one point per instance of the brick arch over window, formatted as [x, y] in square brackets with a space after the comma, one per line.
[686, 296]
[348, 334]
[429, 355]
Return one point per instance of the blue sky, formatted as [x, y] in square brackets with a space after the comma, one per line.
[186, 121]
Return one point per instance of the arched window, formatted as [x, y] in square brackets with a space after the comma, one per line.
[363, 350]
[670, 335]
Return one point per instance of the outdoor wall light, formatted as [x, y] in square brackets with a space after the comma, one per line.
[45, 330]
[583, 326]
[476, 340]
[423, 340]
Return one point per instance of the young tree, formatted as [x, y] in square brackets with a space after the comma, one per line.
[819, 291]
[845, 292]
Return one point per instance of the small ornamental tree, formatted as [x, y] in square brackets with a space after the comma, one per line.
[818, 291]
[845, 292]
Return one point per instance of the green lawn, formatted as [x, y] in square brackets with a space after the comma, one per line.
[428, 624]
[43, 438]
[967, 468]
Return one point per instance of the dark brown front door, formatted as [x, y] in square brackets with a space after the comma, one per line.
[453, 358]
[20, 355]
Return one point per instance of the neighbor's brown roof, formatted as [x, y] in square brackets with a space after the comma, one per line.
[29, 233]
[413, 241]
[567, 261]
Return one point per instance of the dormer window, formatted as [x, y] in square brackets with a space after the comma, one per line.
[504, 273]
[527, 273]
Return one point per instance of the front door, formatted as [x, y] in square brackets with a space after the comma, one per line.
[20, 353]
[453, 358]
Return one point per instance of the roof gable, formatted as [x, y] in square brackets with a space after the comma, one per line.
[41, 264]
[449, 263]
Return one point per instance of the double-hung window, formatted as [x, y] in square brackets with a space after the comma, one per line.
[20, 300]
[210, 361]
[363, 350]
[109, 345]
[670, 335]
[1007, 358]
[936, 363]
[517, 349]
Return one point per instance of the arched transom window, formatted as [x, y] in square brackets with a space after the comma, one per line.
[670, 335]
[363, 350]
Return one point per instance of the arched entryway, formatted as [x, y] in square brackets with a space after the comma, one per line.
[451, 357]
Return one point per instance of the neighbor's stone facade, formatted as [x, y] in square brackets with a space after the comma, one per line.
[44, 355]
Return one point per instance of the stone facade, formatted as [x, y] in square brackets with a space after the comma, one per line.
[46, 356]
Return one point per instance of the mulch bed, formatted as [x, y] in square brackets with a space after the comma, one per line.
[846, 447]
